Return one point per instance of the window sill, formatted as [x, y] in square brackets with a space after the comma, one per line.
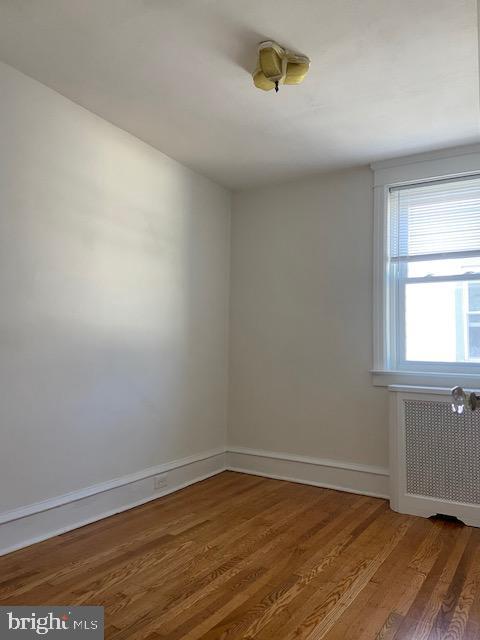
[425, 379]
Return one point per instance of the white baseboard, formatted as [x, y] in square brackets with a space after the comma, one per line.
[33, 523]
[36, 522]
[320, 472]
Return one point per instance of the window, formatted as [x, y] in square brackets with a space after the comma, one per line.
[427, 281]
[433, 269]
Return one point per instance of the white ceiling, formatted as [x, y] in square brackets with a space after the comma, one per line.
[388, 77]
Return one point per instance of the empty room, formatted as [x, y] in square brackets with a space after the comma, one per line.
[240, 319]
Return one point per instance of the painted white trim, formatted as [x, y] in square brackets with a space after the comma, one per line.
[424, 379]
[80, 494]
[105, 514]
[380, 307]
[408, 388]
[321, 462]
[323, 485]
[123, 494]
[445, 163]
[48, 518]
[449, 152]
[319, 472]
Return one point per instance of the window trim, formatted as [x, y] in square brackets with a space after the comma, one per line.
[446, 164]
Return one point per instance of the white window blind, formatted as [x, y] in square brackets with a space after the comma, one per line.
[440, 218]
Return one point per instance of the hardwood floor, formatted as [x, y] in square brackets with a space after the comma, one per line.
[239, 556]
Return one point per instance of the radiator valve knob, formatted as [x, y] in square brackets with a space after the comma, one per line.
[460, 398]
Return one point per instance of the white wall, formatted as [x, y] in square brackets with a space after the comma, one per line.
[114, 285]
[114, 269]
[301, 321]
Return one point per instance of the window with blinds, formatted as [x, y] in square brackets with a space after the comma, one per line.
[434, 272]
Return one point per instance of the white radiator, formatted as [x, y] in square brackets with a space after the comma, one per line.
[434, 456]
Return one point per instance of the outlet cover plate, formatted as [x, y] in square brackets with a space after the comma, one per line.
[160, 481]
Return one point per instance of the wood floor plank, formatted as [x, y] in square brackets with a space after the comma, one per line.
[380, 606]
[419, 619]
[295, 519]
[243, 557]
[283, 569]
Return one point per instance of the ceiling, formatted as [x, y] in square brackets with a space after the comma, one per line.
[388, 77]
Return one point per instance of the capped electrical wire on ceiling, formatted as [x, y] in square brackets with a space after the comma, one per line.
[277, 65]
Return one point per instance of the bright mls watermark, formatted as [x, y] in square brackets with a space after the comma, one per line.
[56, 622]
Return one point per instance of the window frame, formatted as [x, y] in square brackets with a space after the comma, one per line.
[387, 367]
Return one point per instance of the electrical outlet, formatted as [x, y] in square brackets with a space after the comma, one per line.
[160, 482]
